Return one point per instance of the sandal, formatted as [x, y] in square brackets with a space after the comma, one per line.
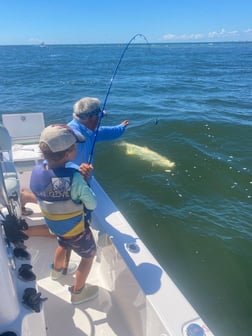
[21, 254]
[25, 273]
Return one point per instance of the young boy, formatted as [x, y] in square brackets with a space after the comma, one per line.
[62, 193]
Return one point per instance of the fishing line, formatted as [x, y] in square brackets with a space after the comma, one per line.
[101, 114]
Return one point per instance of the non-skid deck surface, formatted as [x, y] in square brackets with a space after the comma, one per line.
[97, 317]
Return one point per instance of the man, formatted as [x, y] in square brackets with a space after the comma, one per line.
[86, 113]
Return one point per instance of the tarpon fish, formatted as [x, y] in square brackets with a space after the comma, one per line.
[146, 154]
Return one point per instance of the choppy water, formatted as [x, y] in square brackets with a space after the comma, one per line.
[190, 103]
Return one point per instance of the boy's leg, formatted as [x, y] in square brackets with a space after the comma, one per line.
[61, 266]
[82, 273]
[84, 246]
[59, 258]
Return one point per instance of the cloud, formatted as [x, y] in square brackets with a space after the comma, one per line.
[221, 35]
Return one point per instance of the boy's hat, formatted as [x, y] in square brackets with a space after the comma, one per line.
[86, 108]
[60, 137]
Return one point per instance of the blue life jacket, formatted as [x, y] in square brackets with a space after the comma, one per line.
[52, 188]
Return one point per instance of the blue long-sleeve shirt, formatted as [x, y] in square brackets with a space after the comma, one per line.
[104, 133]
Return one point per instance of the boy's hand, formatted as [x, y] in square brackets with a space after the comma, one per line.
[85, 170]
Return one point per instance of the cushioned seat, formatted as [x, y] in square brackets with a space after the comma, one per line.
[9, 178]
[12, 184]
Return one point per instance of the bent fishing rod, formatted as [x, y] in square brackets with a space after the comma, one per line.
[101, 114]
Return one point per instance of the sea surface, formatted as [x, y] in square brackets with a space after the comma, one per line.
[190, 103]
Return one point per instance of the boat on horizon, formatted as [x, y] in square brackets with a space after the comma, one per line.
[136, 296]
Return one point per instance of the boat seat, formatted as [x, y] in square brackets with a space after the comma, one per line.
[8, 170]
[12, 184]
[24, 128]
[5, 144]
[26, 153]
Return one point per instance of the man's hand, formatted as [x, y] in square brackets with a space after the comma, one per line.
[125, 123]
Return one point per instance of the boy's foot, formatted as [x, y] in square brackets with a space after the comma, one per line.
[56, 274]
[85, 294]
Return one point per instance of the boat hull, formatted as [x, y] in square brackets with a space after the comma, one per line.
[136, 295]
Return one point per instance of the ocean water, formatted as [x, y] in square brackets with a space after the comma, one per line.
[190, 103]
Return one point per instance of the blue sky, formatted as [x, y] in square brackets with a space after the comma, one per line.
[111, 21]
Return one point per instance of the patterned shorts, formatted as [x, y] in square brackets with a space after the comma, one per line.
[83, 244]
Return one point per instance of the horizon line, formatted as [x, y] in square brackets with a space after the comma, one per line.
[43, 44]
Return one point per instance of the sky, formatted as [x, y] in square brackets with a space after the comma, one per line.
[114, 21]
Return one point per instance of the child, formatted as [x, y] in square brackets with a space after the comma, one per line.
[61, 193]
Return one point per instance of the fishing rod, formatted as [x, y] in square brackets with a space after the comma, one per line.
[101, 114]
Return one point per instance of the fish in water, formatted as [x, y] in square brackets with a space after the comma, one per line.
[146, 154]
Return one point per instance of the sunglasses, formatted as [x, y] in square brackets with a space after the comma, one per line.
[89, 115]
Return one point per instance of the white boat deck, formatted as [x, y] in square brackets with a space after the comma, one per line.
[99, 317]
[96, 317]
[122, 307]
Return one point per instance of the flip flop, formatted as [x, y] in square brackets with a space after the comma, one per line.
[25, 273]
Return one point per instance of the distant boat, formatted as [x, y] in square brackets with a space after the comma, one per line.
[42, 45]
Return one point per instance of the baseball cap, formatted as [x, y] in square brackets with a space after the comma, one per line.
[60, 137]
